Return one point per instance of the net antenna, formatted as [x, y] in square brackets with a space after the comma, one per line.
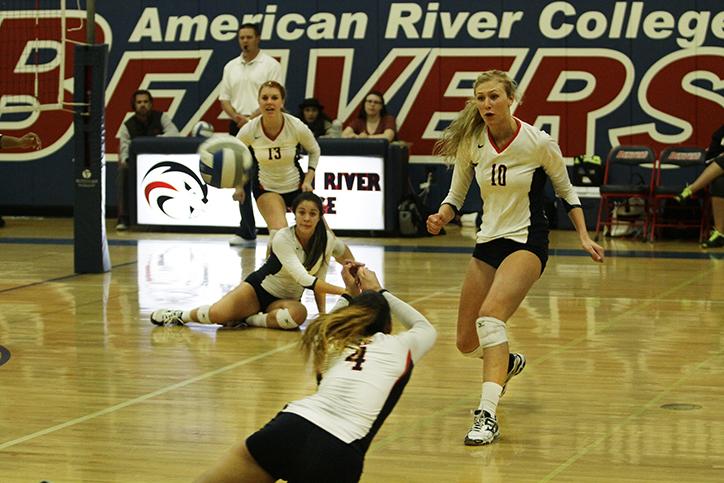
[34, 44]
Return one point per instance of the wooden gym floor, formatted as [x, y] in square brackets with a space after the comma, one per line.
[625, 375]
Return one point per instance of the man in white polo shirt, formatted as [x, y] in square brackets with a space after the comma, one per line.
[239, 99]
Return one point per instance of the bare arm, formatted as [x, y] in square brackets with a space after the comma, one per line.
[321, 300]
[591, 247]
[345, 257]
[310, 144]
[238, 118]
[420, 334]
[29, 140]
[389, 134]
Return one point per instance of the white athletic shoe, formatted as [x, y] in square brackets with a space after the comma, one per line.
[484, 429]
[518, 366]
[167, 317]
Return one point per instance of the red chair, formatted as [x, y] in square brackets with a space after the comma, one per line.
[677, 167]
[628, 176]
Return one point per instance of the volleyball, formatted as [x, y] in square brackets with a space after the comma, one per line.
[224, 161]
[202, 129]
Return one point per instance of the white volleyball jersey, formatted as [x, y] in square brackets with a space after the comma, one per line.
[363, 384]
[277, 159]
[284, 275]
[512, 180]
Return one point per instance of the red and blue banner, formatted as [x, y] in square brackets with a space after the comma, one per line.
[593, 74]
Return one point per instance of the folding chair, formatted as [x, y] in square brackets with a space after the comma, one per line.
[628, 176]
[677, 167]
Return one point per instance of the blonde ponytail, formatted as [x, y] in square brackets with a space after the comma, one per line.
[456, 138]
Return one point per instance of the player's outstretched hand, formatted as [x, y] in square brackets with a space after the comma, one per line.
[367, 279]
[349, 276]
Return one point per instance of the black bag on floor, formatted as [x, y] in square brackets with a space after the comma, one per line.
[410, 214]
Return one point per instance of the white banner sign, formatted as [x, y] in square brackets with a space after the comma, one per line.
[170, 192]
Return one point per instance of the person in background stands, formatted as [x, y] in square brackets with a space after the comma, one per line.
[311, 112]
[238, 95]
[712, 175]
[29, 140]
[372, 121]
[144, 122]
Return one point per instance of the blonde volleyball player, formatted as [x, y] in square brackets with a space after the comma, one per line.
[274, 139]
[362, 370]
[270, 297]
[510, 160]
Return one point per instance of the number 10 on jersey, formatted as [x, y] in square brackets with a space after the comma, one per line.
[497, 174]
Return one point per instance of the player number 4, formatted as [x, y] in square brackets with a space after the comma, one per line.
[358, 357]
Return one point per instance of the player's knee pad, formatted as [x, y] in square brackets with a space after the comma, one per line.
[285, 319]
[476, 354]
[491, 332]
[203, 314]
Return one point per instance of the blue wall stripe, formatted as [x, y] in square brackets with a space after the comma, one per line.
[562, 252]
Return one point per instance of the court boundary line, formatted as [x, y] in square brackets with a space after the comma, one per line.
[61, 278]
[451, 249]
[145, 397]
[172, 387]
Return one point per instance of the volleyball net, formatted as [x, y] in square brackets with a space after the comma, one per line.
[33, 36]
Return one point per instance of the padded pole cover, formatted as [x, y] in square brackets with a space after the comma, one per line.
[90, 243]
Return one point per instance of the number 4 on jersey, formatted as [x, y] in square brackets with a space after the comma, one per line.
[358, 357]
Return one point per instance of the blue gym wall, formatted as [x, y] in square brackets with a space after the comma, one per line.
[645, 72]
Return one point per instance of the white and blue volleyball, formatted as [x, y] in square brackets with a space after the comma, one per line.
[202, 129]
[224, 161]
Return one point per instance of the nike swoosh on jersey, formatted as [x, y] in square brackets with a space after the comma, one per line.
[481, 146]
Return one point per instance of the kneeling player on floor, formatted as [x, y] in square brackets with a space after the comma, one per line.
[270, 297]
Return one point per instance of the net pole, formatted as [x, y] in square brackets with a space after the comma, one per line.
[91, 253]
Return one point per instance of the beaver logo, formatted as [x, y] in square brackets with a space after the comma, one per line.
[175, 190]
